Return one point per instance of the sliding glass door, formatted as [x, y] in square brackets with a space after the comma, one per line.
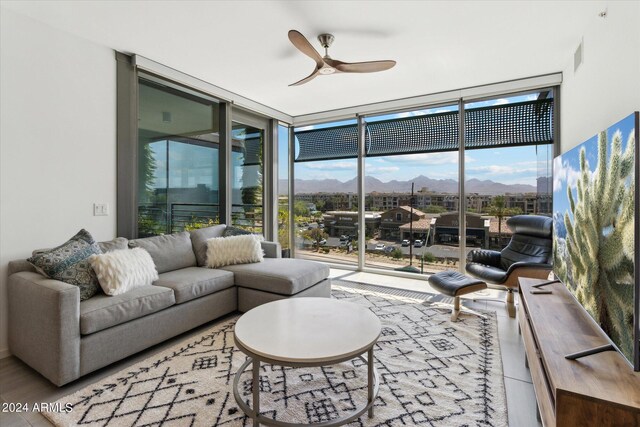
[178, 160]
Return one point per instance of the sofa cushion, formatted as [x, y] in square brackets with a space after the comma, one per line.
[194, 282]
[199, 239]
[114, 245]
[169, 252]
[102, 311]
[284, 276]
[69, 263]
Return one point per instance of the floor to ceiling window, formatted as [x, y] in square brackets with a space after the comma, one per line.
[326, 199]
[247, 177]
[509, 151]
[178, 160]
[284, 228]
[413, 208]
[411, 172]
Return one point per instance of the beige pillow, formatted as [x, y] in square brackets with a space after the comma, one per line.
[230, 250]
[123, 270]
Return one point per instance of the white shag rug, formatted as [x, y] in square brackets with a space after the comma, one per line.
[432, 372]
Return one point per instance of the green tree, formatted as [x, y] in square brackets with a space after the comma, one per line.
[283, 227]
[433, 209]
[300, 208]
[600, 240]
[499, 210]
[316, 235]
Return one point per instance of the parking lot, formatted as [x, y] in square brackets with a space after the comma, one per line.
[439, 251]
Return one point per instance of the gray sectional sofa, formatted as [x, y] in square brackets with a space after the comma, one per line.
[63, 338]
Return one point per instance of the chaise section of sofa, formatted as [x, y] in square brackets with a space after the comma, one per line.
[279, 278]
[64, 338]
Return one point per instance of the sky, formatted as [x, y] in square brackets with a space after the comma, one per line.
[566, 168]
[516, 165]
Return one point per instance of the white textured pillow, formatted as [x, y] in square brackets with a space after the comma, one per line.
[123, 270]
[230, 250]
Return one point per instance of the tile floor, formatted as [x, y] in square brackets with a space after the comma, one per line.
[19, 383]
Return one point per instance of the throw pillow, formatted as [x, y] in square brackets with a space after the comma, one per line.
[230, 230]
[199, 239]
[69, 263]
[123, 270]
[223, 251]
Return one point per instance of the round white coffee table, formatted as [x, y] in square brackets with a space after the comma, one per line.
[306, 332]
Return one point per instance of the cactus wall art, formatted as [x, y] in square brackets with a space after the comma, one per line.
[595, 230]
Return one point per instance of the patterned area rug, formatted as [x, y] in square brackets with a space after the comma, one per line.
[432, 373]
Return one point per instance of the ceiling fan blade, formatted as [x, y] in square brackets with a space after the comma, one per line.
[303, 45]
[364, 67]
[306, 79]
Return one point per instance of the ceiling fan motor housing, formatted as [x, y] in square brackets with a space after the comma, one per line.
[325, 40]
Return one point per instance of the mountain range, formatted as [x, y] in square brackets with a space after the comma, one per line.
[421, 181]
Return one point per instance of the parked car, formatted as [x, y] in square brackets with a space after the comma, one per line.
[389, 249]
[344, 238]
[323, 242]
[417, 244]
[379, 247]
[406, 242]
[321, 225]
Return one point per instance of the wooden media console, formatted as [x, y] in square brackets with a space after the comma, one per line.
[597, 390]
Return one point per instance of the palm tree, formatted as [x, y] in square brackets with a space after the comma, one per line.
[499, 210]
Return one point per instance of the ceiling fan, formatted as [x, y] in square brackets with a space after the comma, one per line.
[326, 65]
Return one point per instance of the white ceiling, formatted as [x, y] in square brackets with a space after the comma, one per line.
[242, 46]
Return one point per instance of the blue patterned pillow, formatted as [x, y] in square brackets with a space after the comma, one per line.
[69, 263]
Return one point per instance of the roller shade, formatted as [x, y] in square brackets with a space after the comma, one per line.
[526, 123]
[339, 142]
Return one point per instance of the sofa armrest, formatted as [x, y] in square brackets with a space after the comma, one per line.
[44, 325]
[271, 249]
[20, 265]
[485, 257]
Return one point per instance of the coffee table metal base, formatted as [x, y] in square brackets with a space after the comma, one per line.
[373, 385]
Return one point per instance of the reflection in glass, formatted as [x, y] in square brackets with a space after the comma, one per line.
[178, 145]
[246, 177]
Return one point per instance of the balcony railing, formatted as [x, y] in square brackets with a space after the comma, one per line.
[153, 218]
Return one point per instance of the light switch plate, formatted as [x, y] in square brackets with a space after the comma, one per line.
[100, 209]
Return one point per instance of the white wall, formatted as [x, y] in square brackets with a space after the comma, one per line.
[606, 87]
[57, 141]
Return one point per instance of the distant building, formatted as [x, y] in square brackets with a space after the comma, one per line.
[338, 223]
[481, 230]
[330, 201]
[392, 219]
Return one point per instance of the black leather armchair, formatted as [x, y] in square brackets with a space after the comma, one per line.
[528, 254]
